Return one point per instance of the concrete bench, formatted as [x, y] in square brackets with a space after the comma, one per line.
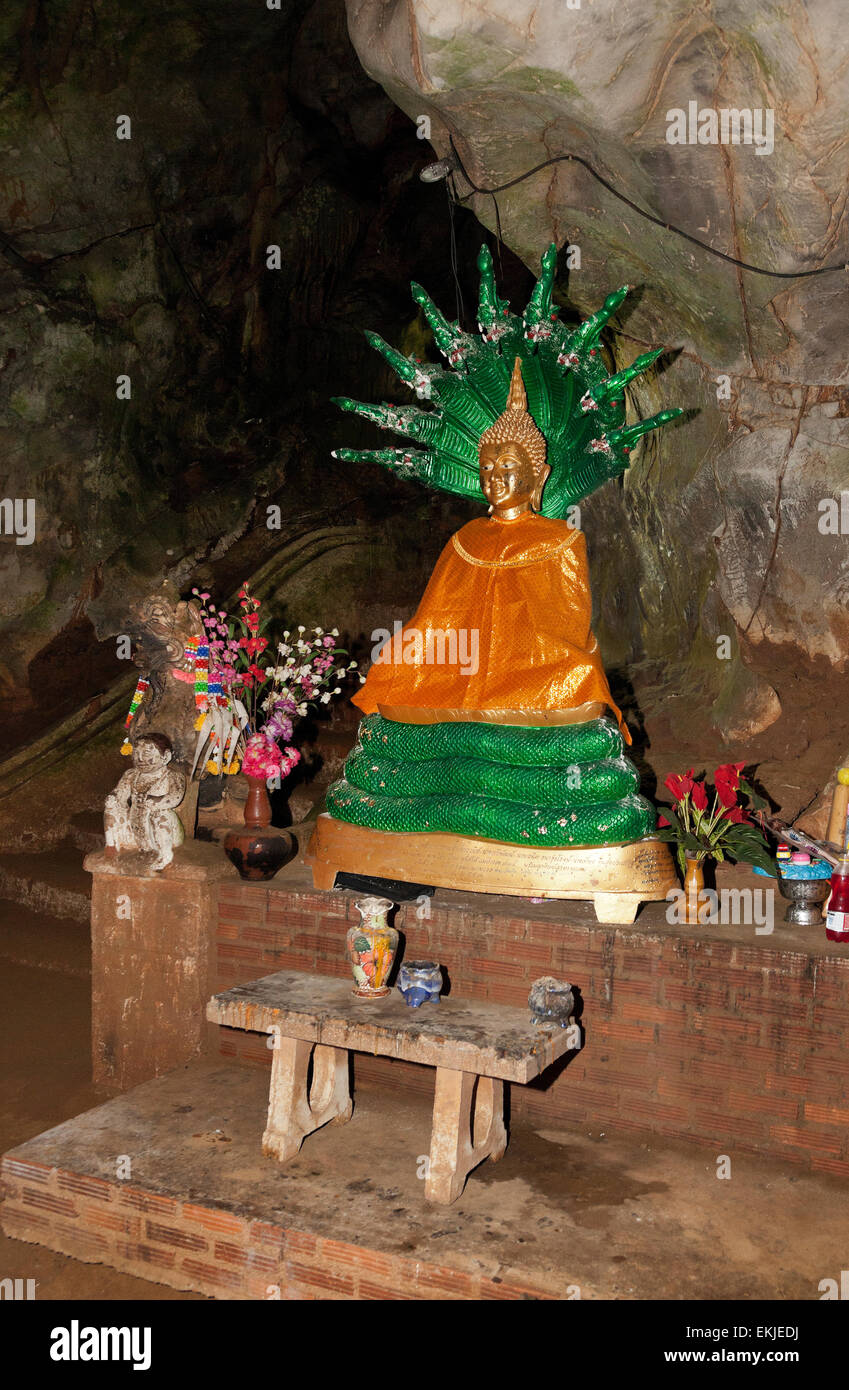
[474, 1046]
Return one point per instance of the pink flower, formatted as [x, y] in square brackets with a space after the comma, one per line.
[262, 757]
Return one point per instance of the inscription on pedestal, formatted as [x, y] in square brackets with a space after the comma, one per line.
[485, 866]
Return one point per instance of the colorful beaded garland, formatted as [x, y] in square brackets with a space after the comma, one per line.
[142, 686]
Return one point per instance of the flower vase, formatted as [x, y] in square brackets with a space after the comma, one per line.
[371, 948]
[257, 806]
[694, 882]
[257, 851]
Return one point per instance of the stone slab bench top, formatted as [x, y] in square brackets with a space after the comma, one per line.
[460, 1034]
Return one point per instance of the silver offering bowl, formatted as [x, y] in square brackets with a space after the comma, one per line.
[806, 898]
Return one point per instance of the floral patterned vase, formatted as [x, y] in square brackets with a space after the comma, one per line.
[371, 948]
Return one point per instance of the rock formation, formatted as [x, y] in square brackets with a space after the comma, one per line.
[723, 530]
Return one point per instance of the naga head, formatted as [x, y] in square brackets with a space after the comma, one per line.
[511, 456]
[160, 626]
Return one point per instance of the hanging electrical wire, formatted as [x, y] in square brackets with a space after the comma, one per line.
[446, 169]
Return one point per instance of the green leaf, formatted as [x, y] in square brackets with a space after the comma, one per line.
[744, 844]
[756, 801]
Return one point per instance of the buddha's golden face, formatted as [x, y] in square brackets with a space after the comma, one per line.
[508, 478]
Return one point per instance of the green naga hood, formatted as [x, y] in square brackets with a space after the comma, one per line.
[576, 405]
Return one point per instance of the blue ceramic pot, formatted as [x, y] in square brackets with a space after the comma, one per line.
[420, 981]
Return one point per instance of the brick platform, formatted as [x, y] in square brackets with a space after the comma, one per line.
[713, 1034]
[205, 1211]
[564, 1215]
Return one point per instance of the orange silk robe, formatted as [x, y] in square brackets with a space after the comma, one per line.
[523, 587]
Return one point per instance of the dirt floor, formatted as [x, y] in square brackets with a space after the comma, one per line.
[620, 1217]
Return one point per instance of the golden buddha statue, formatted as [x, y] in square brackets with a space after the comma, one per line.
[517, 580]
[487, 759]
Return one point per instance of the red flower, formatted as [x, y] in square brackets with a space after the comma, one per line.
[726, 780]
[699, 796]
[679, 784]
[661, 822]
[252, 621]
[737, 815]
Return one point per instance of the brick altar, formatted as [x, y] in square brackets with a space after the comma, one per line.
[712, 1033]
[708, 1034]
[151, 963]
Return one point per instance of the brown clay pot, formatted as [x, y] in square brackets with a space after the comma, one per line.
[257, 855]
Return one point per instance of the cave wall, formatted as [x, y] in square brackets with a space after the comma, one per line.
[714, 532]
[146, 257]
[297, 128]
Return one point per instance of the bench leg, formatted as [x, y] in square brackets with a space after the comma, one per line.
[453, 1153]
[294, 1111]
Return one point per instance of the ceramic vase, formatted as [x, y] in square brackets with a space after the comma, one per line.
[694, 882]
[259, 855]
[420, 982]
[257, 806]
[257, 851]
[371, 948]
[551, 1002]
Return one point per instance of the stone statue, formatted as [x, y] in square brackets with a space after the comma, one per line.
[161, 626]
[140, 815]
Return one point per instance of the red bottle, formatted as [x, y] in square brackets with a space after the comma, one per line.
[837, 915]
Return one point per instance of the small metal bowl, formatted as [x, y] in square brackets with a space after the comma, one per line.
[806, 896]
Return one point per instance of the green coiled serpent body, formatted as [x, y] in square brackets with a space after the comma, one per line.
[578, 784]
[605, 823]
[561, 785]
[555, 745]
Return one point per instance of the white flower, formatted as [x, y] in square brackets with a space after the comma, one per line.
[338, 690]
[325, 698]
[340, 673]
[301, 628]
[334, 632]
[302, 709]
[319, 631]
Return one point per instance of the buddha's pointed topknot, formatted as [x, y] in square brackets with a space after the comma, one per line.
[515, 425]
[517, 397]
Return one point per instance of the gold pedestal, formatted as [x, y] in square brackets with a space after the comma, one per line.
[618, 878]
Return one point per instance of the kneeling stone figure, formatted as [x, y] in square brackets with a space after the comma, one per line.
[139, 815]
